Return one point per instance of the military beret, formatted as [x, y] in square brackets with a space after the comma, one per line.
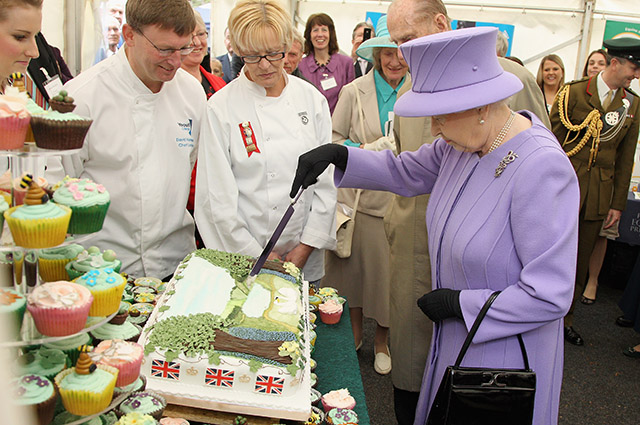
[624, 47]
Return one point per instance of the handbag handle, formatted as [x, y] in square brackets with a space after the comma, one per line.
[474, 329]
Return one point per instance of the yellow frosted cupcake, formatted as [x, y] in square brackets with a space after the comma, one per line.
[86, 389]
[38, 223]
[106, 286]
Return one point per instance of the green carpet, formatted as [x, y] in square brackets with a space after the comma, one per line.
[338, 362]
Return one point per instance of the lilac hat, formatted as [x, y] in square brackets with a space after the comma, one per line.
[454, 71]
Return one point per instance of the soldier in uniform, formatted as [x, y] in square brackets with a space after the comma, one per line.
[596, 122]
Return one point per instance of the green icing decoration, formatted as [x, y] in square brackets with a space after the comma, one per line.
[293, 369]
[171, 292]
[254, 365]
[164, 308]
[237, 265]
[214, 358]
[171, 356]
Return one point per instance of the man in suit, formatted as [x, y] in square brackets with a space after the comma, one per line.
[225, 59]
[361, 66]
[405, 220]
[602, 151]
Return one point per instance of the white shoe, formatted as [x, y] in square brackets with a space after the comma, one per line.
[382, 364]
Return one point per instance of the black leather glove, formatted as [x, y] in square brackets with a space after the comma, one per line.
[441, 304]
[314, 162]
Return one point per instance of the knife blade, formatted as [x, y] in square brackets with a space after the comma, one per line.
[275, 236]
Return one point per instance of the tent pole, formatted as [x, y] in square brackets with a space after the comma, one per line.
[583, 46]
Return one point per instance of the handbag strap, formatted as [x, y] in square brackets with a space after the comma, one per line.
[364, 138]
[474, 329]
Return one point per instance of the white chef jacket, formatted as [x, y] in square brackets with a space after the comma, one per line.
[141, 147]
[241, 196]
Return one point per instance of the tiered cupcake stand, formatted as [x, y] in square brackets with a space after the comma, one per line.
[30, 159]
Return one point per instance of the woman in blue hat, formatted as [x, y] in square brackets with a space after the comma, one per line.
[363, 118]
[502, 215]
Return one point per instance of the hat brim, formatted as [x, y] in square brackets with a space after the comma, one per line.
[414, 104]
[365, 51]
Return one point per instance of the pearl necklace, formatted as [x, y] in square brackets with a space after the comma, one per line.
[503, 132]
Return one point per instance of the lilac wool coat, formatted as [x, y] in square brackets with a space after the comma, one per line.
[516, 233]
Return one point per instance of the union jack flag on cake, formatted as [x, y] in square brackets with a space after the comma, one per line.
[219, 378]
[167, 370]
[269, 384]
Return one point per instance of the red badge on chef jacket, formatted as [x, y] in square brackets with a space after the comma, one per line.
[248, 138]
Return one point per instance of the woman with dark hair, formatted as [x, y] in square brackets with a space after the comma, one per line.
[550, 78]
[596, 62]
[323, 66]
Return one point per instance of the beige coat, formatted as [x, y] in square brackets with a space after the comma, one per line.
[347, 125]
[407, 233]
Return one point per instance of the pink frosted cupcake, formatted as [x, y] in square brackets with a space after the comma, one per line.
[59, 308]
[123, 355]
[338, 399]
[14, 119]
[330, 312]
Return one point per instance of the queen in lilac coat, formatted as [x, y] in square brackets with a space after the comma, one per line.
[516, 233]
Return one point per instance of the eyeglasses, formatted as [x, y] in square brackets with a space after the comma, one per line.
[271, 57]
[202, 35]
[184, 51]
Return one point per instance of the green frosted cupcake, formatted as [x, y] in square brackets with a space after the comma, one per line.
[47, 362]
[126, 331]
[69, 346]
[12, 308]
[106, 286]
[89, 202]
[66, 418]
[37, 392]
[92, 259]
[144, 402]
[136, 418]
[52, 261]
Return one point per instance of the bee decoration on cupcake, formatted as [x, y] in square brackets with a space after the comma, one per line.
[84, 365]
[17, 80]
[36, 195]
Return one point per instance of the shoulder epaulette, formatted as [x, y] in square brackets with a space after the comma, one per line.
[577, 81]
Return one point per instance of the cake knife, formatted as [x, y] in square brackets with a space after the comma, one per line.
[275, 236]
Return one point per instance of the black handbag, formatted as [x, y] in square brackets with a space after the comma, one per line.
[479, 396]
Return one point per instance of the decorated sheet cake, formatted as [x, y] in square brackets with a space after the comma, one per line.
[220, 341]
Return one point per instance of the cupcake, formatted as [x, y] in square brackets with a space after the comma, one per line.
[144, 297]
[314, 302]
[61, 131]
[330, 312]
[62, 102]
[3, 207]
[14, 119]
[35, 391]
[59, 308]
[123, 313]
[86, 389]
[52, 261]
[151, 282]
[39, 223]
[144, 402]
[12, 308]
[339, 416]
[338, 398]
[46, 362]
[69, 346]
[109, 418]
[123, 355]
[315, 397]
[135, 418]
[139, 313]
[88, 201]
[106, 286]
[92, 259]
[315, 417]
[138, 385]
[66, 418]
[126, 331]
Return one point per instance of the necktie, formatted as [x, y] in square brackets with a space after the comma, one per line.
[607, 100]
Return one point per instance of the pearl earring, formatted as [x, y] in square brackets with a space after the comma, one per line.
[481, 121]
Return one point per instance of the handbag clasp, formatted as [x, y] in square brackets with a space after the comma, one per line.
[492, 378]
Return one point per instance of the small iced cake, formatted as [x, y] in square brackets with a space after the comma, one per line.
[59, 308]
[89, 202]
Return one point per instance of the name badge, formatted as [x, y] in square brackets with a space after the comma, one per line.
[328, 83]
[53, 86]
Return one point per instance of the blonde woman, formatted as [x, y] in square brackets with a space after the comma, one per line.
[550, 78]
[253, 132]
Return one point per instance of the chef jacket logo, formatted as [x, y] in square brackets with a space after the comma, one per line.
[303, 116]
[186, 126]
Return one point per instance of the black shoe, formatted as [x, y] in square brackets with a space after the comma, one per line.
[572, 337]
[624, 322]
[630, 352]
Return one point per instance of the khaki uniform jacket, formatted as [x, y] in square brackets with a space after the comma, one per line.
[606, 184]
[346, 125]
[407, 232]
